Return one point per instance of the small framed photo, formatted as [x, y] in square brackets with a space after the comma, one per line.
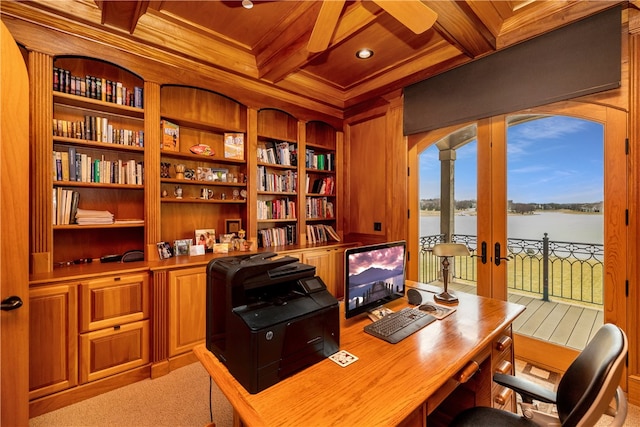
[206, 237]
[164, 250]
[182, 247]
[232, 226]
[234, 146]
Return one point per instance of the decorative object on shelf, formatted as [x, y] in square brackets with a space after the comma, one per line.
[241, 243]
[189, 174]
[180, 171]
[236, 194]
[206, 237]
[219, 174]
[202, 149]
[234, 146]
[446, 250]
[178, 192]
[223, 196]
[242, 178]
[170, 136]
[164, 170]
[164, 193]
[206, 194]
[182, 247]
[221, 248]
[233, 226]
[243, 193]
[164, 250]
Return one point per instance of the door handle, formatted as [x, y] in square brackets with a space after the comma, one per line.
[497, 258]
[483, 253]
[11, 303]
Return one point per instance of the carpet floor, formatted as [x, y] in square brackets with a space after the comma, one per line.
[181, 399]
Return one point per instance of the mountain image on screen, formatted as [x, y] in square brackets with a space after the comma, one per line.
[374, 284]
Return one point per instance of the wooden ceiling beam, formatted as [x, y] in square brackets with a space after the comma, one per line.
[122, 14]
[460, 26]
[286, 54]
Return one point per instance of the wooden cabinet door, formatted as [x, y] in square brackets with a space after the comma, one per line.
[112, 350]
[112, 301]
[53, 339]
[187, 309]
[325, 262]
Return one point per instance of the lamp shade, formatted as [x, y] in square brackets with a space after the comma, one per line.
[451, 249]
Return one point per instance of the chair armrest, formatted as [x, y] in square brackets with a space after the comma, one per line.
[525, 388]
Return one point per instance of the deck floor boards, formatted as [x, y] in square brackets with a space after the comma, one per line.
[560, 323]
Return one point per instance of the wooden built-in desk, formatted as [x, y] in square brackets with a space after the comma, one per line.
[390, 384]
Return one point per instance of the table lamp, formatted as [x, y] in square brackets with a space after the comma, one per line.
[446, 250]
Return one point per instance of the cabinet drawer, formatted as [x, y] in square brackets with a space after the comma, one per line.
[112, 350]
[113, 301]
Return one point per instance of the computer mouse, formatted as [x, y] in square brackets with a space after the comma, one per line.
[427, 307]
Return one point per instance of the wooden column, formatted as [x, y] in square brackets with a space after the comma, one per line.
[152, 168]
[41, 199]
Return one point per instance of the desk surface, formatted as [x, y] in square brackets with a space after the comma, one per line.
[386, 384]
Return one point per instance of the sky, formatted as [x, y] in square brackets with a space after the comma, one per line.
[554, 159]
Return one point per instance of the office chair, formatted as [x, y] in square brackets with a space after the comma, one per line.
[584, 393]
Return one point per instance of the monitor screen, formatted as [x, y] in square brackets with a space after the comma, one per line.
[374, 275]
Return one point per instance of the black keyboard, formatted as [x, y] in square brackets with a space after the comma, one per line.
[395, 327]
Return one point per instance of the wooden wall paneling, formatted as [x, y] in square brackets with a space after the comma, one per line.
[152, 169]
[41, 112]
[397, 164]
[368, 179]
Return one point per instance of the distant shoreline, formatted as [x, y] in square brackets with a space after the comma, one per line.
[474, 213]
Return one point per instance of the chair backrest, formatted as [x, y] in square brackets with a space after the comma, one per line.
[587, 388]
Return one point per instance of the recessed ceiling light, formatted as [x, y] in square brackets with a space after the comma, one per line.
[364, 53]
[247, 4]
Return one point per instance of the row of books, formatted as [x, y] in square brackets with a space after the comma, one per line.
[73, 166]
[278, 153]
[277, 236]
[319, 207]
[65, 206]
[94, 128]
[324, 161]
[321, 233]
[276, 209]
[97, 88]
[325, 185]
[286, 181]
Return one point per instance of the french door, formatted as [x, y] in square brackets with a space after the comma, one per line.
[492, 207]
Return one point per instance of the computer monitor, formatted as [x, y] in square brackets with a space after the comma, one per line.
[374, 276]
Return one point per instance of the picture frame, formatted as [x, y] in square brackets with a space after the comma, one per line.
[234, 145]
[164, 250]
[182, 247]
[232, 226]
[206, 237]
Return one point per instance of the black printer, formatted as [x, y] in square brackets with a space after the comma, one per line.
[268, 318]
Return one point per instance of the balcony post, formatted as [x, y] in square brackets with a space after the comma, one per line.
[545, 268]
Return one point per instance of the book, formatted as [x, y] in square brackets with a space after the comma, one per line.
[170, 136]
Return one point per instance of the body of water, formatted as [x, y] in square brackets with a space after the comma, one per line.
[563, 227]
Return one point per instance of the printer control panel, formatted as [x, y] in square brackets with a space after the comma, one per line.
[311, 284]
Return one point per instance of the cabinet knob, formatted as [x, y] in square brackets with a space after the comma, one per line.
[504, 367]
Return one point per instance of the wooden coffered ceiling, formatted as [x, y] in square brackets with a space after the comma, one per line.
[270, 43]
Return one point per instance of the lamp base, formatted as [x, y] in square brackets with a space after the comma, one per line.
[446, 298]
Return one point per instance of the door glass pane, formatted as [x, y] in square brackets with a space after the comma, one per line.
[555, 192]
[448, 194]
